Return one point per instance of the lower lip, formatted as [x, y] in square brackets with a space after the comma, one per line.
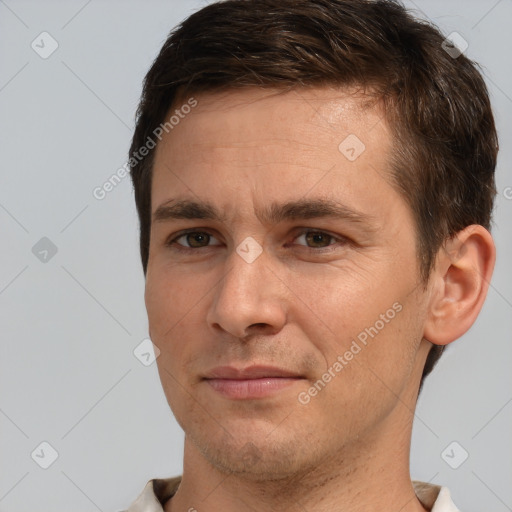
[250, 388]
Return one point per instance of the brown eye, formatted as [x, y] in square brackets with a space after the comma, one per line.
[190, 240]
[318, 239]
[197, 239]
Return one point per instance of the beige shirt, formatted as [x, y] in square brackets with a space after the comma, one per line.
[158, 491]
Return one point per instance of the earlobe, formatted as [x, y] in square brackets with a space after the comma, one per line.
[459, 282]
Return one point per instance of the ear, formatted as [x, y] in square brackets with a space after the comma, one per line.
[459, 284]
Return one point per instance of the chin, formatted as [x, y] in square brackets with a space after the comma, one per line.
[254, 458]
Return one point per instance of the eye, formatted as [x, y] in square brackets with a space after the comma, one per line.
[192, 239]
[318, 239]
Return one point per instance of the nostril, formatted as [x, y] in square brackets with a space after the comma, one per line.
[258, 326]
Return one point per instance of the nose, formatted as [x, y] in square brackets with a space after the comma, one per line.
[250, 297]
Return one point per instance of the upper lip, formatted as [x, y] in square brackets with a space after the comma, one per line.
[251, 372]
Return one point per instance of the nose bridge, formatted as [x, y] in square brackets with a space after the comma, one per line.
[247, 279]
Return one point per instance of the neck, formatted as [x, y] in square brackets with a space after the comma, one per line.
[367, 476]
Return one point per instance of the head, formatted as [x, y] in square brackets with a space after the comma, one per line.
[254, 104]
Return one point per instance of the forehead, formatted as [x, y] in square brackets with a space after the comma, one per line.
[269, 142]
[252, 113]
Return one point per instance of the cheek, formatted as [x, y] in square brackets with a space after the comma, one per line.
[167, 309]
[382, 356]
[336, 306]
[366, 316]
[174, 308]
[168, 298]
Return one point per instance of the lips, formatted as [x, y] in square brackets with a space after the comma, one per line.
[252, 372]
[252, 382]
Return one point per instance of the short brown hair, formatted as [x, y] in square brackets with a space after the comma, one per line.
[437, 104]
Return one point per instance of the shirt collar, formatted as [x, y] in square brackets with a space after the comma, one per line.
[158, 490]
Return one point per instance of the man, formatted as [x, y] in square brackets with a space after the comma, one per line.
[314, 181]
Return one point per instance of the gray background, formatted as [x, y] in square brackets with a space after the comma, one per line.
[68, 374]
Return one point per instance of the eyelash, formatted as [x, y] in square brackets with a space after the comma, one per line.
[175, 246]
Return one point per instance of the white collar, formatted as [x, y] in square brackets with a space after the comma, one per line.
[158, 490]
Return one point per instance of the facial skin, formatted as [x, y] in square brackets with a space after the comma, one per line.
[298, 306]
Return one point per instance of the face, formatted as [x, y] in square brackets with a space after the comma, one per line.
[282, 285]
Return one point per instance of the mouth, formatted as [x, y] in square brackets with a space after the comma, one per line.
[252, 382]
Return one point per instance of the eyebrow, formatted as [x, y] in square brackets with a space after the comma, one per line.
[275, 213]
